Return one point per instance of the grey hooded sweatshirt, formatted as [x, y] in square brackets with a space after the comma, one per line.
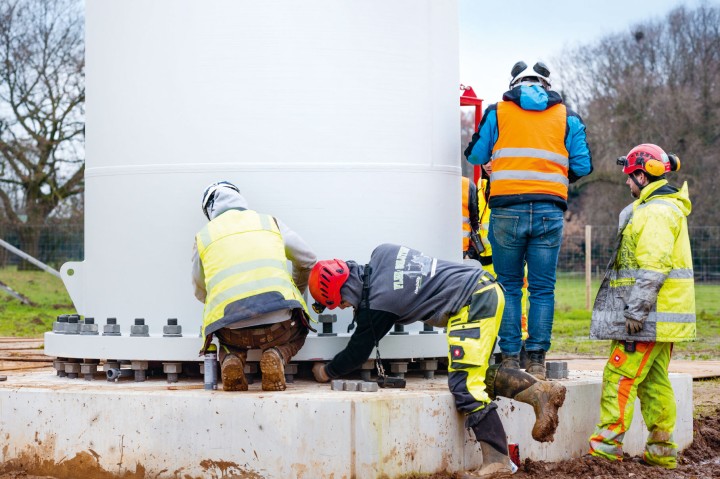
[404, 286]
[296, 250]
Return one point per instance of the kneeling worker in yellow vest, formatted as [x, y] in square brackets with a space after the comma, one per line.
[646, 302]
[251, 300]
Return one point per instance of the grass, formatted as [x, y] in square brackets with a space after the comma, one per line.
[44, 289]
[570, 331]
[572, 321]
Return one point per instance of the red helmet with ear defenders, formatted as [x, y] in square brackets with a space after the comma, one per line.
[649, 158]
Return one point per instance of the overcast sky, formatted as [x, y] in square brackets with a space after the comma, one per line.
[494, 35]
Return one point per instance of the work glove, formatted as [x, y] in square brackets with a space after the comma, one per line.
[319, 372]
[633, 326]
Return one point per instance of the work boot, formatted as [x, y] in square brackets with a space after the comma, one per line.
[546, 398]
[272, 367]
[510, 361]
[536, 364]
[495, 464]
[232, 371]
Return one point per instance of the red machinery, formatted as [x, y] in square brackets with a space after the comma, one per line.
[469, 98]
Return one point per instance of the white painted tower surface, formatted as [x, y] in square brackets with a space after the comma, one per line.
[339, 118]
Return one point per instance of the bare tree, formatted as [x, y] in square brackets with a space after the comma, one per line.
[658, 82]
[42, 126]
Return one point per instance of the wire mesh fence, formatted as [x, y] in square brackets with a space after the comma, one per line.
[57, 243]
[704, 243]
[62, 241]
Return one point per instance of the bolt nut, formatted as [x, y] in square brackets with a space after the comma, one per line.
[368, 387]
[89, 327]
[398, 367]
[139, 328]
[172, 329]
[352, 385]
[172, 368]
[138, 365]
[88, 368]
[72, 326]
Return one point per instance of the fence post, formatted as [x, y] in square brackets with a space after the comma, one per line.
[588, 265]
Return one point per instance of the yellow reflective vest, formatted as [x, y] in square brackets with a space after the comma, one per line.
[651, 273]
[529, 156]
[465, 213]
[246, 272]
[484, 230]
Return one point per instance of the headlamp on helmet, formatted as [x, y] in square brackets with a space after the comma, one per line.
[650, 159]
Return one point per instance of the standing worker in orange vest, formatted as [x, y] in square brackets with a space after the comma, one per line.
[537, 146]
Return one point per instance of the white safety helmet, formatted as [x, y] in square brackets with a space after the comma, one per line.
[208, 196]
[521, 73]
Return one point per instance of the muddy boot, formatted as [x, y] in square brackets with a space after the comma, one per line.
[546, 398]
[232, 372]
[490, 434]
[510, 361]
[495, 464]
[536, 364]
[272, 367]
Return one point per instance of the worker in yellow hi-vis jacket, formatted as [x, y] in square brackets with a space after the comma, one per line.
[646, 303]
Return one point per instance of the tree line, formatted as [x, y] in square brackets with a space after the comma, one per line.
[655, 82]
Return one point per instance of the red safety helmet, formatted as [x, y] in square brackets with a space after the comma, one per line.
[649, 158]
[326, 279]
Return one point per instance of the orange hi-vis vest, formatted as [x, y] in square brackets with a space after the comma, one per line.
[465, 213]
[529, 156]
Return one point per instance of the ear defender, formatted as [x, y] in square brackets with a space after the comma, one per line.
[655, 167]
[674, 161]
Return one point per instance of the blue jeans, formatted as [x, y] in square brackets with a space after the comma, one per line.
[526, 233]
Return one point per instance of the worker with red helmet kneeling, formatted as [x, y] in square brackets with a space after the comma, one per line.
[646, 302]
[401, 285]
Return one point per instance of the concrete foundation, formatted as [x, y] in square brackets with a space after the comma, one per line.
[153, 429]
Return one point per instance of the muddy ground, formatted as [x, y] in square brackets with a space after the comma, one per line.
[700, 461]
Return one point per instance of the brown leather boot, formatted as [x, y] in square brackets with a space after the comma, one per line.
[495, 464]
[272, 367]
[536, 364]
[232, 371]
[546, 398]
[510, 361]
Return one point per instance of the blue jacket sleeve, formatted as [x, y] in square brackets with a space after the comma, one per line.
[479, 150]
[580, 158]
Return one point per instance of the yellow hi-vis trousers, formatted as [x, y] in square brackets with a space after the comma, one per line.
[471, 335]
[641, 374]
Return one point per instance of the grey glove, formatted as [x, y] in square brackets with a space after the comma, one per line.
[633, 326]
[319, 372]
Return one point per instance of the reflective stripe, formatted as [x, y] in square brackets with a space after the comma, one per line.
[655, 317]
[656, 201]
[680, 273]
[531, 153]
[252, 285]
[265, 223]
[204, 237]
[528, 175]
[244, 268]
